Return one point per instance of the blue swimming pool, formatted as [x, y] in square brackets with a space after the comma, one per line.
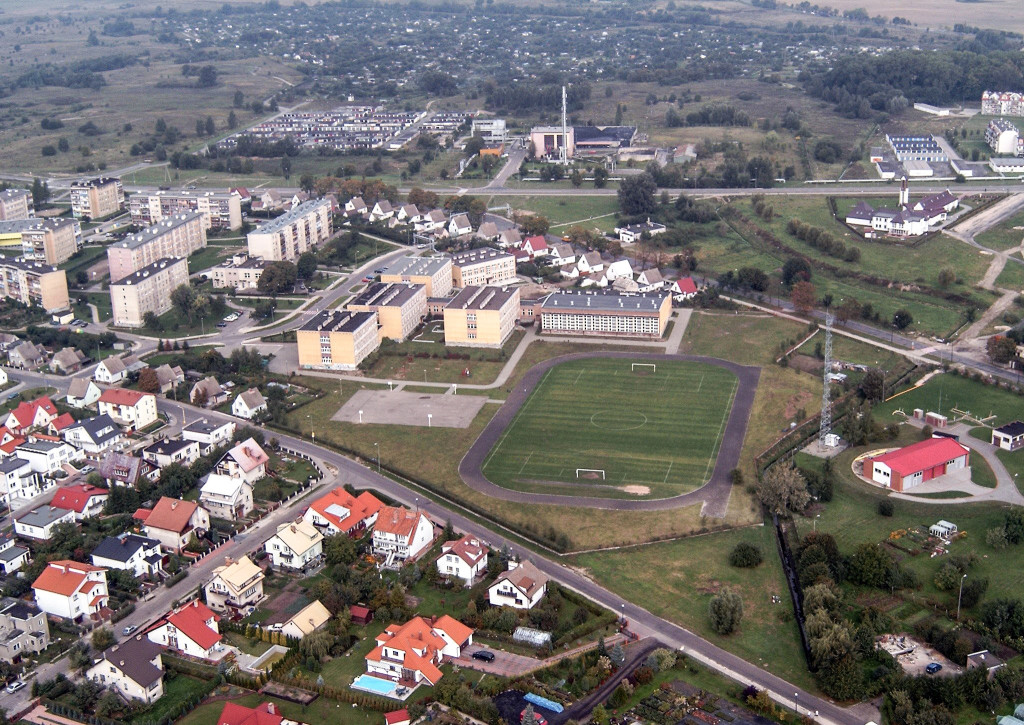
[376, 685]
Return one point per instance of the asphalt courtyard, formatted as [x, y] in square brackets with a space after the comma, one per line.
[714, 495]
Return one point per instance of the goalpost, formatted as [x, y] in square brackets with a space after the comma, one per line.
[652, 366]
[586, 471]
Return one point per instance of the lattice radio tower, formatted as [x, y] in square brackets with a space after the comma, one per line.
[826, 397]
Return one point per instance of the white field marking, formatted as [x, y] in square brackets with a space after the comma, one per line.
[516, 419]
[664, 382]
[718, 439]
[577, 380]
[700, 383]
[524, 463]
[669, 470]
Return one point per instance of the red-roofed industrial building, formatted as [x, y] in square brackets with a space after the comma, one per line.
[905, 468]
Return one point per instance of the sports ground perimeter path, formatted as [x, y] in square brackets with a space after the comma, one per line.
[714, 494]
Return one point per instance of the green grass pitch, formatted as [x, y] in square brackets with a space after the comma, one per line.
[659, 430]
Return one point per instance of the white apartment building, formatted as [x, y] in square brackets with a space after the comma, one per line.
[219, 209]
[289, 235]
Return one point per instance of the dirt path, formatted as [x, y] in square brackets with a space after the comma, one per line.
[981, 221]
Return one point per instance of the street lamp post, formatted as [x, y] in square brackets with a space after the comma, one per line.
[818, 516]
[959, 596]
[796, 700]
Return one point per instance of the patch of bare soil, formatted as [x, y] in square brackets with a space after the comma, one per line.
[797, 402]
[637, 490]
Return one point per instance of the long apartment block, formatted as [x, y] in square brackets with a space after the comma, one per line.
[292, 233]
[399, 307]
[176, 236]
[337, 339]
[220, 209]
[34, 283]
[147, 290]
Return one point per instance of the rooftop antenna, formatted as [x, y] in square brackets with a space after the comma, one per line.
[826, 394]
[563, 150]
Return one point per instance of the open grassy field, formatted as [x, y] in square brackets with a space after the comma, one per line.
[944, 392]
[1007, 234]
[626, 423]
[564, 211]
[750, 338]
[677, 579]
[1012, 277]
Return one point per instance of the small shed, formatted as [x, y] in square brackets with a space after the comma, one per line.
[987, 661]
[942, 529]
[360, 615]
[935, 420]
[397, 717]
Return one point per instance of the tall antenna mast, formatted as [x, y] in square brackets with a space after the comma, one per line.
[563, 150]
[826, 397]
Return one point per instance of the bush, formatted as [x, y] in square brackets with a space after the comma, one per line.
[745, 555]
[885, 507]
[725, 611]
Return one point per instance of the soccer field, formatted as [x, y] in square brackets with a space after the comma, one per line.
[643, 432]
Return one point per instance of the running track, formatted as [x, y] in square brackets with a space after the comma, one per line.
[714, 494]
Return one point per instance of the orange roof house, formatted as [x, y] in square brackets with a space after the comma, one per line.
[173, 521]
[412, 652]
[263, 714]
[71, 589]
[190, 629]
[340, 512]
[401, 535]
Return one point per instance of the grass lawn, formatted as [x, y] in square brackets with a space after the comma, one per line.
[206, 258]
[749, 338]
[563, 211]
[173, 324]
[81, 260]
[255, 647]
[172, 357]
[1012, 277]
[100, 299]
[944, 392]
[677, 579]
[399, 362]
[177, 689]
[625, 423]
[1007, 234]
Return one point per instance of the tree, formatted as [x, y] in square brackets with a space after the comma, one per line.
[872, 386]
[795, 269]
[211, 127]
[277, 277]
[636, 194]
[239, 101]
[305, 268]
[207, 77]
[1001, 350]
[535, 225]
[600, 177]
[803, 297]
[102, 638]
[63, 145]
[947, 276]
[151, 321]
[473, 145]
[902, 319]
[316, 644]
[871, 566]
[148, 382]
[423, 199]
[576, 178]
[183, 298]
[40, 192]
[783, 488]
[286, 167]
[232, 120]
[725, 611]
[161, 125]
[745, 555]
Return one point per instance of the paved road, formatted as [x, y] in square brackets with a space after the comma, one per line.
[714, 494]
[349, 471]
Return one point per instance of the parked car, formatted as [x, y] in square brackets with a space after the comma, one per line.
[86, 470]
[222, 324]
[484, 656]
[15, 686]
[933, 668]
[127, 631]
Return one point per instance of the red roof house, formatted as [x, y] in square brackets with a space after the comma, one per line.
[684, 288]
[59, 423]
[397, 717]
[264, 714]
[191, 630]
[172, 521]
[34, 414]
[84, 499]
[71, 589]
[535, 246]
[915, 464]
[414, 650]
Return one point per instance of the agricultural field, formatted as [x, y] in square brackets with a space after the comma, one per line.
[624, 423]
